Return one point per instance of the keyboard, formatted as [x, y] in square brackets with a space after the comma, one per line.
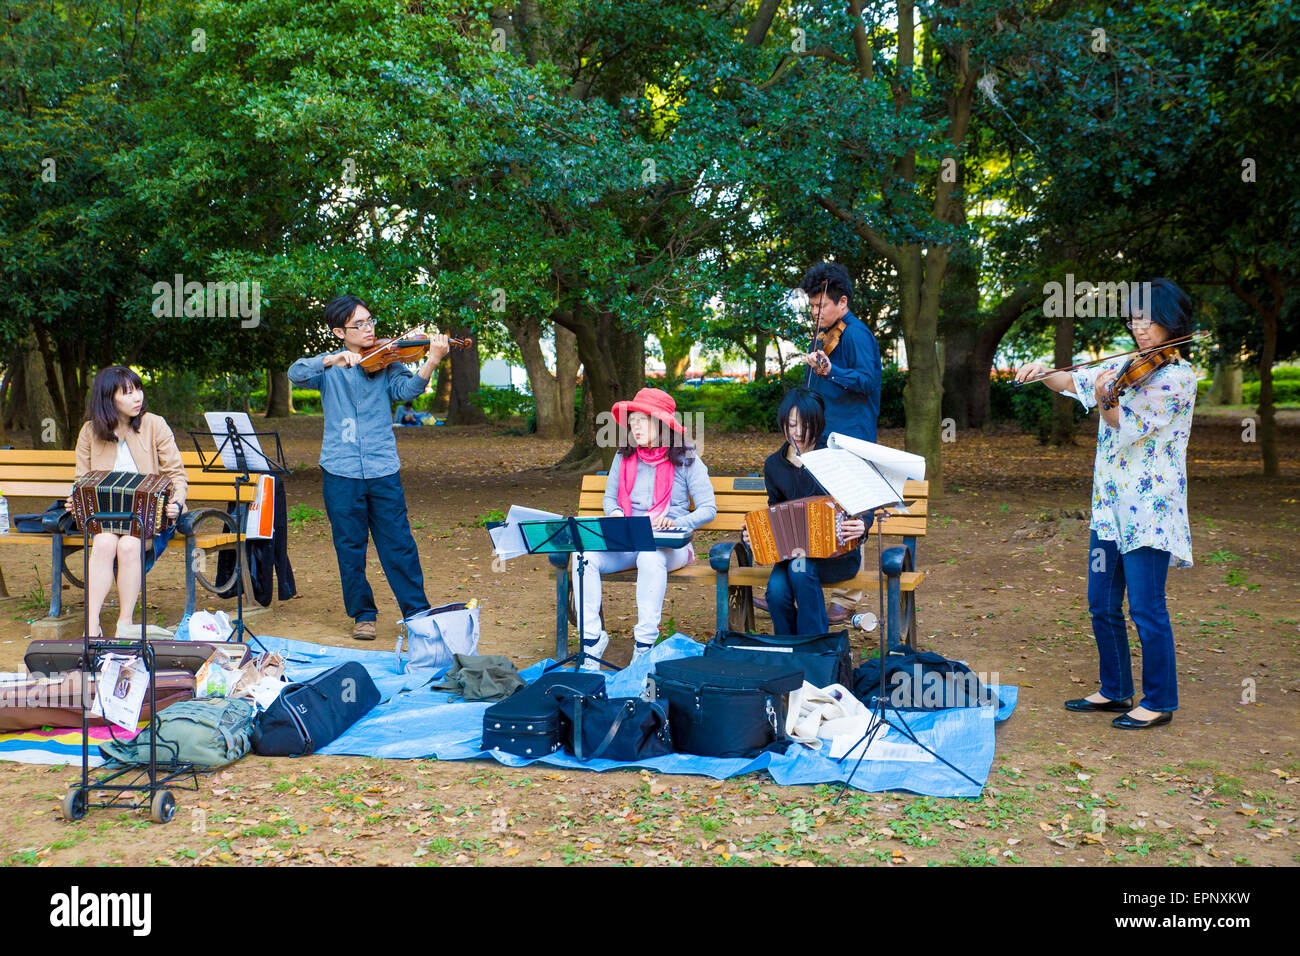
[673, 537]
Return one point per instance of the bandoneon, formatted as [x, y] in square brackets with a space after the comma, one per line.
[101, 492]
[805, 527]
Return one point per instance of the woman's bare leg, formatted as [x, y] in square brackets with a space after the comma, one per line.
[103, 550]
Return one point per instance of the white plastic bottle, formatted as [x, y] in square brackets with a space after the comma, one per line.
[4, 515]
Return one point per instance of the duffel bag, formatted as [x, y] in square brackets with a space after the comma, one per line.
[311, 714]
[529, 722]
[920, 680]
[617, 728]
[208, 733]
[825, 659]
[718, 707]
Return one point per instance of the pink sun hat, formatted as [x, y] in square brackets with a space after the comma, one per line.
[654, 402]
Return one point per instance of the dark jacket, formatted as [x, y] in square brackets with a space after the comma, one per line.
[852, 389]
[785, 482]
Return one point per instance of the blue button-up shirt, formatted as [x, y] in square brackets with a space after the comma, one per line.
[358, 441]
[852, 389]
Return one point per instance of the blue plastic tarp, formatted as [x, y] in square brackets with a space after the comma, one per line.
[413, 721]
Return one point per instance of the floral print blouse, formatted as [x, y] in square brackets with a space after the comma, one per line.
[1139, 479]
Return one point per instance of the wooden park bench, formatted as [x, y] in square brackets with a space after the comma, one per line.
[735, 497]
[46, 476]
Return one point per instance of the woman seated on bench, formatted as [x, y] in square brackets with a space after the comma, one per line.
[119, 435]
[794, 588]
[654, 473]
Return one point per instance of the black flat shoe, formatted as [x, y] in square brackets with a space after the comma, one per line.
[1126, 722]
[1085, 706]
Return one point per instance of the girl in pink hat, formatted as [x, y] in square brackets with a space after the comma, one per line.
[655, 473]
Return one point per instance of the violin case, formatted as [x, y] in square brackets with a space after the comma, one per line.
[55, 700]
[530, 723]
[726, 707]
[50, 657]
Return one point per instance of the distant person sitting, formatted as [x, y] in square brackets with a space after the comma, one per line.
[406, 415]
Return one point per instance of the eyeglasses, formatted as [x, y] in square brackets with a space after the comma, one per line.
[363, 324]
[1139, 325]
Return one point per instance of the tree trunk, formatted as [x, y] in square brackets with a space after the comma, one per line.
[442, 388]
[15, 393]
[919, 280]
[464, 383]
[527, 333]
[42, 420]
[760, 363]
[613, 362]
[279, 395]
[566, 376]
[1062, 432]
[1226, 389]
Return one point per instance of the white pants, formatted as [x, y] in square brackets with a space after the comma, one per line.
[652, 569]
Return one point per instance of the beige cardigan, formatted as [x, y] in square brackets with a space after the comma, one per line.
[153, 447]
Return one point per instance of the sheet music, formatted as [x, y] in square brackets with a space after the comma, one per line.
[896, 466]
[244, 426]
[508, 540]
[856, 484]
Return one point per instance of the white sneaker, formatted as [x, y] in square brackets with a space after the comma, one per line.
[639, 653]
[595, 650]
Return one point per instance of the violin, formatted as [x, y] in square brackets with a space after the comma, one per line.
[1134, 373]
[827, 339]
[387, 351]
[1164, 346]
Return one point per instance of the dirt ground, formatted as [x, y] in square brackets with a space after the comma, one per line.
[1006, 559]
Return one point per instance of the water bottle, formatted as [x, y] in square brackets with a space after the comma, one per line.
[4, 515]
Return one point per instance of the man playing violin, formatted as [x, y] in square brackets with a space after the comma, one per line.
[845, 362]
[361, 480]
[1139, 527]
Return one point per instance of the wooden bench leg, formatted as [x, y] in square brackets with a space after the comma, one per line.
[562, 613]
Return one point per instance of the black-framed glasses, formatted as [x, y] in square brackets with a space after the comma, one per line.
[1139, 325]
[363, 324]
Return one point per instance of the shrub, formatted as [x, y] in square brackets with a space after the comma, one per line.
[892, 382]
[1285, 392]
[499, 404]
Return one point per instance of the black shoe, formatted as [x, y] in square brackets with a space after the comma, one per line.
[1126, 722]
[1085, 706]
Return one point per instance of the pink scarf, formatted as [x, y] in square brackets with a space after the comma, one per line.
[664, 474]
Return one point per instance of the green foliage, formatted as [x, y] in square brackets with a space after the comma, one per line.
[305, 400]
[176, 397]
[1285, 392]
[500, 404]
[300, 515]
[892, 382]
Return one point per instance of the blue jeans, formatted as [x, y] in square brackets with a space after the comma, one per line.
[361, 508]
[1142, 573]
[794, 593]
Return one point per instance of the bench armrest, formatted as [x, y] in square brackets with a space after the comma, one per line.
[720, 555]
[188, 519]
[894, 561]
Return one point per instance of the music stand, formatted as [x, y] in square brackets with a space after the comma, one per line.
[578, 536]
[233, 441]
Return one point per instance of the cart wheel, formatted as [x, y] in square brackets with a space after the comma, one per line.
[163, 807]
[74, 804]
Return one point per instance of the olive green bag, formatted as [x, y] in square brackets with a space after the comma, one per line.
[208, 733]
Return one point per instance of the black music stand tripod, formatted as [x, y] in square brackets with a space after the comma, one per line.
[233, 440]
[579, 536]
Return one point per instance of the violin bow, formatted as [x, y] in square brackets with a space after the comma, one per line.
[1181, 340]
[807, 379]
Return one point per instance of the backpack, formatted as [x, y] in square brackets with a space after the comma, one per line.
[207, 733]
[921, 680]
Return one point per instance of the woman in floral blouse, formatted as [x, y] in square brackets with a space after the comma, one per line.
[1139, 509]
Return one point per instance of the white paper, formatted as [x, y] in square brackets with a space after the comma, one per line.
[508, 540]
[266, 690]
[119, 690]
[244, 427]
[861, 475]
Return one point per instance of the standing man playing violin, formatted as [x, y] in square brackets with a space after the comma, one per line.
[845, 363]
[361, 480]
[1139, 527]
